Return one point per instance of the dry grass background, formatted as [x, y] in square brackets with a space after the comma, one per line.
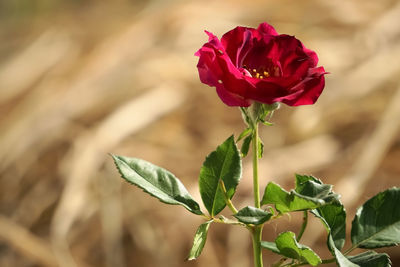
[80, 79]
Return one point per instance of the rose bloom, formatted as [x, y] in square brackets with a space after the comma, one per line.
[260, 65]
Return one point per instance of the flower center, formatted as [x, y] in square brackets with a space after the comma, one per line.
[259, 73]
[262, 72]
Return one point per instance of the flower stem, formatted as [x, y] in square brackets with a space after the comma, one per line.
[303, 226]
[256, 185]
[257, 230]
[257, 253]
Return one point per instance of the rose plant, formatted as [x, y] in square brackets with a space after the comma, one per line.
[256, 69]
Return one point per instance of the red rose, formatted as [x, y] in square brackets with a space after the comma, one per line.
[260, 65]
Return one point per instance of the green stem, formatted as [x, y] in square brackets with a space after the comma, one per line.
[256, 185]
[224, 220]
[303, 226]
[257, 230]
[257, 253]
[227, 221]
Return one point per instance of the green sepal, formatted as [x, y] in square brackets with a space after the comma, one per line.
[263, 110]
[260, 148]
[199, 241]
[267, 123]
[222, 164]
[258, 112]
[289, 247]
[246, 146]
[156, 181]
[245, 115]
[244, 134]
[252, 215]
[377, 222]
[371, 259]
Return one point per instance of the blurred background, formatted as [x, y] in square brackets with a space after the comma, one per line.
[80, 79]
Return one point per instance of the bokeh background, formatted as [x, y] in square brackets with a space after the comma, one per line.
[80, 79]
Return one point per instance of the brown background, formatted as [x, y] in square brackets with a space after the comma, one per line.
[80, 79]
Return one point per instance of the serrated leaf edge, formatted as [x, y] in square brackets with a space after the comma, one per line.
[194, 211]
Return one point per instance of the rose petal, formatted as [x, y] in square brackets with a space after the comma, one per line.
[237, 43]
[312, 55]
[266, 29]
[208, 70]
[267, 93]
[307, 92]
[231, 99]
[216, 69]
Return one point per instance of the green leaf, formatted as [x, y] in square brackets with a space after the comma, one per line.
[301, 181]
[341, 260]
[333, 215]
[377, 222]
[285, 201]
[371, 259]
[156, 181]
[243, 134]
[289, 247]
[312, 187]
[222, 164]
[199, 241]
[245, 146]
[252, 215]
[270, 245]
